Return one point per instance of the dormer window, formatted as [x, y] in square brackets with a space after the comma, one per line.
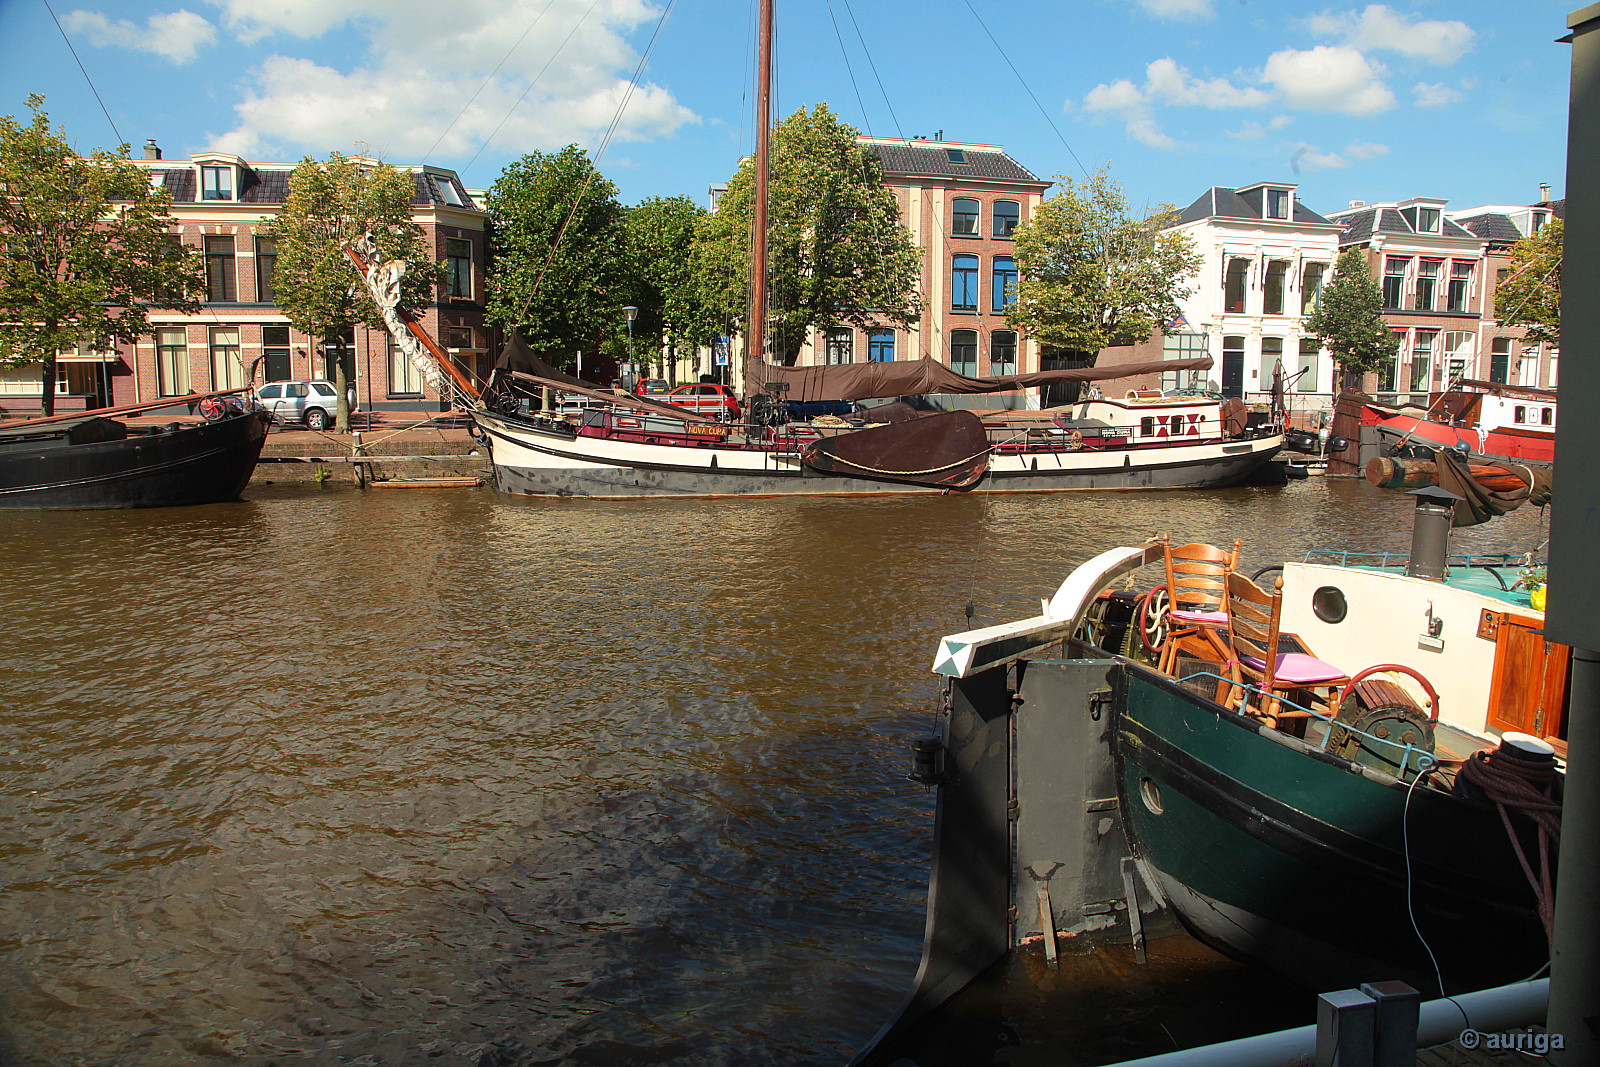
[1277, 203]
[1421, 219]
[216, 183]
[955, 155]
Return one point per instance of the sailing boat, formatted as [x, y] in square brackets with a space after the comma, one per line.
[632, 447]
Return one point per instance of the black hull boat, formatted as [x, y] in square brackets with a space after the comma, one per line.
[102, 463]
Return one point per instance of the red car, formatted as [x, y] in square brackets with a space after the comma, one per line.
[705, 398]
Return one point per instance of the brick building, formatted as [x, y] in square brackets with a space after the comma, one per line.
[220, 202]
[961, 203]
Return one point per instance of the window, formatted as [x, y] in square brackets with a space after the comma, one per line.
[458, 338]
[1422, 367]
[173, 247]
[1427, 220]
[1233, 285]
[275, 349]
[220, 281]
[880, 345]
[339, 347]
[266, 264]
[1460, 284]
[226, 371]
[216, 183]
[1003, 291]
[964, 217]
[404, 377]
[840, 346]
[172, 361]
[1182, 345]
[955, 155]
[1311, 287]
[1272, 294]
[1003, 352]
[458, 267]
[964, 283]
[1394, 281]
[964, 351]
[1007, 213]
[1306, 373]
[1427, 283]
[1519, 413]
[1500, 361]
[1389, 373]
[1271, 356]
[1277, 203]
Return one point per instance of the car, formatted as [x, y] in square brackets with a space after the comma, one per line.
[305, 400]
[706, 398]
[655, 388]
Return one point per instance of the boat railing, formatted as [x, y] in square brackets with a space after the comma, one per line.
[1491, 562]
[1409, 760]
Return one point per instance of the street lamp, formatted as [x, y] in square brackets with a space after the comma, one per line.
[630, 312]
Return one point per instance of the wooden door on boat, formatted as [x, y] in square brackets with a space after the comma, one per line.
[1529, 690]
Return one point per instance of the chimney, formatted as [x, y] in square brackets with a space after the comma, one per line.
[151, 149]
[1358, 203]
[1544, 193]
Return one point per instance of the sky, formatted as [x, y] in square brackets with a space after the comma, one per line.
[1459, 99]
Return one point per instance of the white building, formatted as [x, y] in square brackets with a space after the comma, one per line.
[1264, 260]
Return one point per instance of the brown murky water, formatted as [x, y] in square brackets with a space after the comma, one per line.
[391, 778]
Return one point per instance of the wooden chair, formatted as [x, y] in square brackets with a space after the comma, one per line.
[1197, 593]
[1254, 616]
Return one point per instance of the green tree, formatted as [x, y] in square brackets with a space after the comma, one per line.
[558, 255]
[1090, 274]
[1349, 318]
[85, 248]
[837, 250]
[659, 240]
[1531, 294]
[330, 203]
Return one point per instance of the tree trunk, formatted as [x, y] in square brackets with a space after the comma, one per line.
[47, 386]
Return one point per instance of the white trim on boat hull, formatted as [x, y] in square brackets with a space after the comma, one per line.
[531, 461]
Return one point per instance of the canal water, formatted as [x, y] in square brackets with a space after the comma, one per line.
[400, 777]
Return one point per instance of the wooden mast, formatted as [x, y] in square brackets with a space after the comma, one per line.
[755, 334]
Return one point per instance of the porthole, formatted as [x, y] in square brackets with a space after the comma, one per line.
[1328, 604]
[1150, 793]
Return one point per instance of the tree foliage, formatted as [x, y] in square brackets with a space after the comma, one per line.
[1090, 274]
[557, 254]
[838, 252]
[659, 241]
[1349, 319]
[331, 202]
[1531, 294]
[85, 248]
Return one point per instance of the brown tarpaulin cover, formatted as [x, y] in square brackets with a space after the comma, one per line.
[868, 381]
[1480, 504]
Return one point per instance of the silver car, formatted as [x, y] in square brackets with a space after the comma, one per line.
[302, 400]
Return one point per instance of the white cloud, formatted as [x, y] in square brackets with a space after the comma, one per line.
[1435, 95]
[1308, 157]
[178, 35]
[1256, 131]
[1165, 83]
[1328, 78]
[1379, 27]
[1363, 150]
[1169, 83]
[568, 56]
[1178, 9]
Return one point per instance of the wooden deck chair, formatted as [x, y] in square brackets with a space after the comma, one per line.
[1254, 616]
[1197, 594]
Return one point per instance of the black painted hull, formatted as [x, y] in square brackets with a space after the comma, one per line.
[204, 463]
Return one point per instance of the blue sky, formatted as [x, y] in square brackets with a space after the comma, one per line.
[1464, 99]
